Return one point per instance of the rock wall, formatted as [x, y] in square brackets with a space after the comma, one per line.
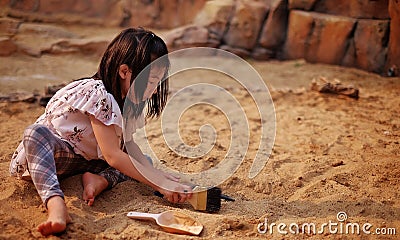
[363, 34]
[146, 13]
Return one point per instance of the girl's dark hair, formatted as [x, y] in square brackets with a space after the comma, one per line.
[137, 48]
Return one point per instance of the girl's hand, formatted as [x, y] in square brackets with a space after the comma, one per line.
[171, 177]
[175, 192]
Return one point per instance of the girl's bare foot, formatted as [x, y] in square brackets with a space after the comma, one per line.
[93, 185]
[58, 217]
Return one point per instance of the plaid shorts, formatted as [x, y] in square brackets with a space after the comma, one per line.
[49, 159]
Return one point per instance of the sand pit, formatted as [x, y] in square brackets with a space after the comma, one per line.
[331, 154]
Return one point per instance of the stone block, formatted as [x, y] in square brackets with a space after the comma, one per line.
[370, 39]
[8, 26]
[273, 33]
[189, 36]
[215, 15]
[318, 37]
[301, 4]
[368, 9]
[329, 38]
[45, 30]
[393, 58]
[300, 25]
[245, 25]
[243, 53]
[262, 54]
[164, 14]
[7, 46]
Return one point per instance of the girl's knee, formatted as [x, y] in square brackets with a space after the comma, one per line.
[36, 134]
[35, 130]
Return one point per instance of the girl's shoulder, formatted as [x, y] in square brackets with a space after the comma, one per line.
[85, 83]
[88, 96]
[81, 88]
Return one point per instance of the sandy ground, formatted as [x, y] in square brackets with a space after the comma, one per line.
[331, 154]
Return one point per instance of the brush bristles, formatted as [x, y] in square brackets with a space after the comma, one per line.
[213, 199]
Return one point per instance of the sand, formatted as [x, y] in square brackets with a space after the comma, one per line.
[331, 154]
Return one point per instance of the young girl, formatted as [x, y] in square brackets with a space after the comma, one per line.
[81, 129]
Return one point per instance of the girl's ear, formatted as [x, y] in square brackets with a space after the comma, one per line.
[123, 71]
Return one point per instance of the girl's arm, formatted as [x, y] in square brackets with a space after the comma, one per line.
[138, 155]
[147, 174]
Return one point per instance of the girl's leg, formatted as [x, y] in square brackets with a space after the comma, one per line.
[40, 145]
[114, 176]
[94, 184]
[50, 158]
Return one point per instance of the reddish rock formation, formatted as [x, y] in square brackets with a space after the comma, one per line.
[7, 46]
[300, 25]
[335, 40]
[393, 59]
[190, 36]
[215, 16]
[306, 5]
[370, 41]
[375, 9]
[328, 38]
[368, 9]
[273, 34]
[8, 26]
[246, 24]
[156, 13]
[355, 33]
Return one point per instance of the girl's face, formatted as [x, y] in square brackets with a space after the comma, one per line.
[155, 76]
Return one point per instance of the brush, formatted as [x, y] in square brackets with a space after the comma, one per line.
[205, 199]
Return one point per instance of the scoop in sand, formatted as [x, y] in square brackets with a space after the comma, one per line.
[171, 221]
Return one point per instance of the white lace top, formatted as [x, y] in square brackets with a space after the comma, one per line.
[66, 115]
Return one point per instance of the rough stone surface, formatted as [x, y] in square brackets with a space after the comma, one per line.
[246, 24]
[370, 40]
[377, 9]
[393, 60]
[349, 59]
[8, 26]
[215, 16]
[329, 38]
[299, 28]
[323, 37]
[237, 51]
[262, 54]
[7, 46]
[66, 11]
[93, 46]
[301, 4]
[361, 33]
[156, 13]
[273, 33]
[189, 36]
[45, 30]
[161, 13]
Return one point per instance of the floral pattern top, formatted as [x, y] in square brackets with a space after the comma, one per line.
[67, 115]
